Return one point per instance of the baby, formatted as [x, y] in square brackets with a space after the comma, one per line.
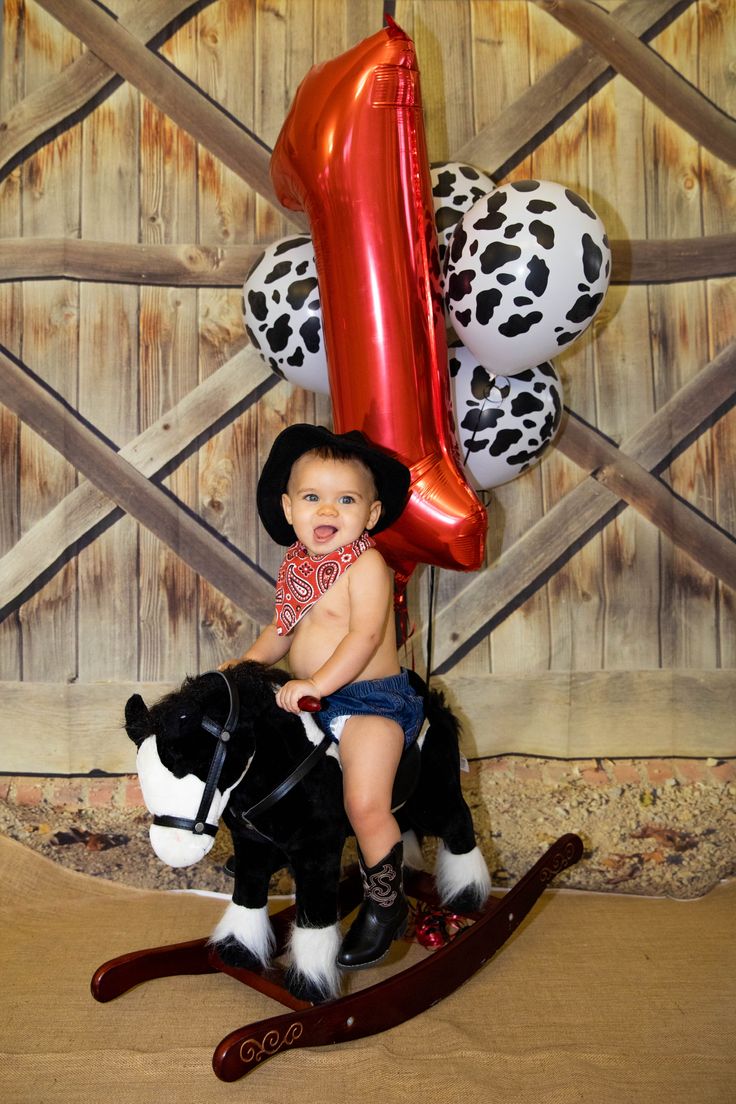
[322, 494]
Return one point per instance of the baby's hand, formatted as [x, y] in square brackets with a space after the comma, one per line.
[289, 694]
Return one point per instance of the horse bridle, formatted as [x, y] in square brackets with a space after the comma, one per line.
[223, 733]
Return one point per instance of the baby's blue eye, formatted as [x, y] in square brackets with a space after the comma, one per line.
[310, 498]
[347, 499]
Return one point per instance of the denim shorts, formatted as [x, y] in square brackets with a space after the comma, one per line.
[391, 697]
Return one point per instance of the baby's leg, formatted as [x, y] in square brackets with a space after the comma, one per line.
[370, 750]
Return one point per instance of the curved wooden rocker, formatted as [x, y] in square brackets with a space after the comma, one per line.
[367, 1012]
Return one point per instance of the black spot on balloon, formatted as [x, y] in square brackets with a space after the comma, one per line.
[457, 244]
[513, 229]
[460, 284]
[469, 172]
[278, 271]
[522, 301]
[579, 202]
[454, 366]
[309, 332]
[539, 206]
[444, 185]
[314, 305]
[478, 420]
[481, 383]
[297, 358]
[529, 423]
[565, 338]
[257, 304]
[504, 440]
[301, 268]
[543, 233]
[279, 334]
[520, 324]
[300, 291]
[290, 243]
[446, 217]
[538, 278]
[584, 307]
[486, 303]
[525, 185]
[592, 259]
[496, 255]
[506, 278]
[525, 403]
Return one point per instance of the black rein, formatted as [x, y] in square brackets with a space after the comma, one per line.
[223, 733]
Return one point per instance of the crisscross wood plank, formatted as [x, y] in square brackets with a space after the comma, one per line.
[144, 500]
[75, 86]
[214, 403]
[176, 97]
[658, 81]
[545, 103]
[648, 261]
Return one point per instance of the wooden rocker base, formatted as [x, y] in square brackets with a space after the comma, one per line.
[371, 1010]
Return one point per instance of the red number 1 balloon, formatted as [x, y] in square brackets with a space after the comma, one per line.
[352, 154]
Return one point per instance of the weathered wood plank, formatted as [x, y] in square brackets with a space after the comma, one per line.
[672, 189]
[506, 139]
[657, 261]
[574, 594]
[163, 86]
[107, 582]
[225, 395]
[522, 568]
[704, 542]
[717, 29]
[560, 714]
[226, 219]
[585, 714]
[136, 494]
[68, 92]
[11, 328]
[630, 561]
[660, 83]
[189, 265]
[50, 327]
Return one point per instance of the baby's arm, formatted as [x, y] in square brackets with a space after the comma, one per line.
[370, 589]
[268, 649]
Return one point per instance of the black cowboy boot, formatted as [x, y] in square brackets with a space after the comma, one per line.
[383, 914]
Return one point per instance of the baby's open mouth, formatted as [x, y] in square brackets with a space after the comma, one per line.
[325, 532]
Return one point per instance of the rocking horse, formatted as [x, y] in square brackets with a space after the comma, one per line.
[220, 747]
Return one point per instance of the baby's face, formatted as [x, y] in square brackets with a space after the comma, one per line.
[329, 502]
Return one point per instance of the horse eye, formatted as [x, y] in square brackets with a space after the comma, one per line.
[182, 716]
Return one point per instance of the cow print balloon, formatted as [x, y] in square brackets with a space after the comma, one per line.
[526, 272]
[455, 188]
[503, 424]
[283, 315]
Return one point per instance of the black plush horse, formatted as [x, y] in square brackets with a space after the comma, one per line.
[220, 746]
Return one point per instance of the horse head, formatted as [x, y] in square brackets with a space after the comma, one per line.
[194, 747]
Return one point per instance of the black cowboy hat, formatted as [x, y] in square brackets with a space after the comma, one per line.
[392, 478]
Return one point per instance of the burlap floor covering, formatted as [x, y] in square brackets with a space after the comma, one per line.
[596, 998]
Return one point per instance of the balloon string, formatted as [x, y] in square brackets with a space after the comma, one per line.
[430, 619]
[473, 434]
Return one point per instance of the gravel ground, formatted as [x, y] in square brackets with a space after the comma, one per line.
[676, 839]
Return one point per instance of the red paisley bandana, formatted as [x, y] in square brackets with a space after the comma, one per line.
[303, 578]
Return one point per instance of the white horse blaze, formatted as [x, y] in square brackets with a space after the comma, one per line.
[167, 795]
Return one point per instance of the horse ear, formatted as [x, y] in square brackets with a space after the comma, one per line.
[137, 719]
